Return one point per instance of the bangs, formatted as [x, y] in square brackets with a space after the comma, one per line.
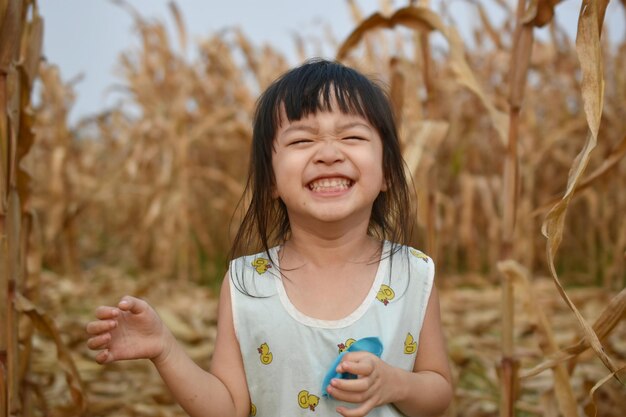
[322, 88]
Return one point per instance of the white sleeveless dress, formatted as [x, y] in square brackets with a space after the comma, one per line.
[286, 353]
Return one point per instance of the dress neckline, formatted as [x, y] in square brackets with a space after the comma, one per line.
[346, 321]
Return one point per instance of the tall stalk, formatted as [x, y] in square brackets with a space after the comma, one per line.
[10, 33]
[520, 58]
[21, 30]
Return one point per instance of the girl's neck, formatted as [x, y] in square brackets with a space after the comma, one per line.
[313, 248]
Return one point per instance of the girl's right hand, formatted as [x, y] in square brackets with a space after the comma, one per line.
[132, 330]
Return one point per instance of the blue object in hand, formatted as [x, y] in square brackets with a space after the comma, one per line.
[372, 345]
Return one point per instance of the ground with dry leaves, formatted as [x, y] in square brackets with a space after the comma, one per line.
[471, 319]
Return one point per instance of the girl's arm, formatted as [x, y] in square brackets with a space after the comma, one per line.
[427, 391]
[223, 391]
[133, 331]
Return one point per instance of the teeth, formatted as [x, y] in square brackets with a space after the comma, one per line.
[330, 184]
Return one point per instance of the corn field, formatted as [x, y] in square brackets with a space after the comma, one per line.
[516, 149]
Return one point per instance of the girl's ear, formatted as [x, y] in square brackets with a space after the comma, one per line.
[384, 187]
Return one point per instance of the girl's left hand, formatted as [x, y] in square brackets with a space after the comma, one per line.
[372, 388]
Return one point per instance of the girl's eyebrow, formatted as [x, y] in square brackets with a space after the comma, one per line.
[300, 126]
[350, 125]
[297, 126]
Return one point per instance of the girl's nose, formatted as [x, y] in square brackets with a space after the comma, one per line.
[329, 153]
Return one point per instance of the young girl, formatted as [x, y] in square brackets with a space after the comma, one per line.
[329, 211]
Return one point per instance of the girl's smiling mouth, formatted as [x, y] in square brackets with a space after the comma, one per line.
[329, 185]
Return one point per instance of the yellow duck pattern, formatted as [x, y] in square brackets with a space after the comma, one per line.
[343, 346]
[385, 294]
[410, 345]
[419, 255]
[306, 400]
[266, 355]
[261, 265]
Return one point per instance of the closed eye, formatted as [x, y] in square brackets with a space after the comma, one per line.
[354, 138]
[299, 142]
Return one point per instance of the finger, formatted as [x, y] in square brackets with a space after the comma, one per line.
[132, 304]
[99, 342]
[100, 326]
[351, 385]
[106, 312]
[355, 412]
[358, 356]
[105, 357]
[347, 397]
[361, 368]
[354, 397]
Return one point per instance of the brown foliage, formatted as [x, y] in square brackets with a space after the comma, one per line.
[138, 200]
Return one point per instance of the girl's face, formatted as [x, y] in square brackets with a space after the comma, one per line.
[328, 168]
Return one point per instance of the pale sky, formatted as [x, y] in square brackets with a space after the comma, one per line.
[86, 36]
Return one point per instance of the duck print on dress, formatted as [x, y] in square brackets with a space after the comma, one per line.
[266, 355]
[343, 346]
[385, 294]
[306, 400]
[420, 255]
[252, 410]
[410, 345]
[261, 265]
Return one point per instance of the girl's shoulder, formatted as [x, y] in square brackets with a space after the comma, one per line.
[399, 250]
[403, 256]
[256, 272]
[259, 262]
[411, 276]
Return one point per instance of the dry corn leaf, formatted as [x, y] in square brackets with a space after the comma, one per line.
[10, 33]
[3, 162]
[591, 63]
[180, 26]
[249, 53]
[599, 384]
[422, 19]
[3, 390]
[492, 32]
[590, 57]
[13, 234]
[602, 5]
[614, 312]
[540, 12]
[31, 48]
[13, 110]
[25, 143]
[610, 163]
[520, 60]
[3, 8]
[13, 275]
[46, 326]
[179, 328]
[397, 90]
[428, 136]
[4, 289]
[357, 14]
